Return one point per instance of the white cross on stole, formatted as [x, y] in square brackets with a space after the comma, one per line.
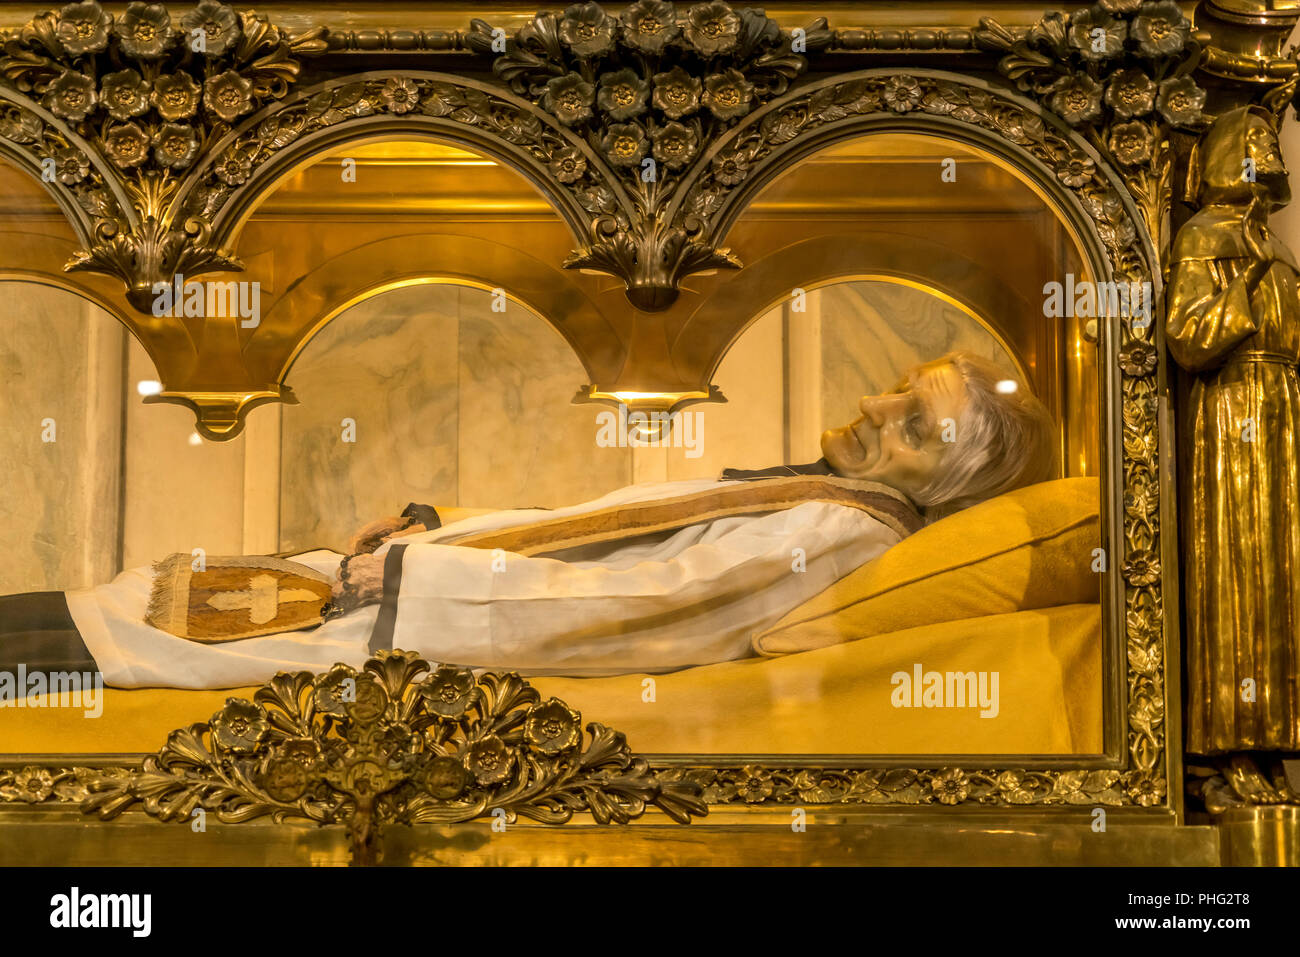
[262, 598]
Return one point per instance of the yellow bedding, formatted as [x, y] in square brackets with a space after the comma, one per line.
[834, 700]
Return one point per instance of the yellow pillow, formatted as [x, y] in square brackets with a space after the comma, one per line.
[1031, 548]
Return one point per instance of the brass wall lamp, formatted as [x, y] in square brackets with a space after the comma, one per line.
[647, 417]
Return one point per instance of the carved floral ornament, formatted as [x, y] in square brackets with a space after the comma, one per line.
[643, 124]
[397, 742]
[121, 111]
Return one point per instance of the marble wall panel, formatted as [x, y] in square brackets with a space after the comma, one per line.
[388, 365]
[60, 360]
[182, 491]
[522, 441]
[748, 431]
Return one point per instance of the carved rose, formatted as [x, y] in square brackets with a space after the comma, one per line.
[587, 30]
[228, 95]
[676, 93]
[712, 28]
[1076, 98]
[569, 97]
[145, 30]
[950, 786]
[727, 94]
[1180, 101]
[1097, 35]
[124, 94]
[400, 95]
[126, 145]
[674, 145]
[568, 165]
[70, 166]
[444, 778]
[175, 96]
[649, 25]
[731, 167]
[1146, 788]
[176, 146]
[1141, 568]
[240, 725]
[33, 785]
[489, 760]
[70, 96]
[1138, 358]
[449, 691]
[1076, 170]
[622, 94]
[1131, 93]
[902, 93]
[755, 785]
[624, 144]
[1131, 142]
[552, 727]
[83, 28]
[1161, 29]
[218, 23]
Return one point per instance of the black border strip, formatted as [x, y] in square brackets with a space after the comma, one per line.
[381, 636]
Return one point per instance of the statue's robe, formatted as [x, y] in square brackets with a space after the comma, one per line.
[1242, 483]
[686, 595]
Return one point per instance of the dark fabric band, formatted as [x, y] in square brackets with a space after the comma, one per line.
[381, 636]
[37, 631]
[820, 467]
[425, 515]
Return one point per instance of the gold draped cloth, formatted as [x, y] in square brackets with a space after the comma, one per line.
[751, 497]
[1242, 483]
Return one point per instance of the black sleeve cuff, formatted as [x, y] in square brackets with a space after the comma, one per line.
[425, 515]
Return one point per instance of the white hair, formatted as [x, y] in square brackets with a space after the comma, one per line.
[1005, 439]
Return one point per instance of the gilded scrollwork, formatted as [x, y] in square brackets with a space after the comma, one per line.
[756, 785]
[246, 159]
[649, 91]
[394, 742]
[131, 103]
[1119, 71]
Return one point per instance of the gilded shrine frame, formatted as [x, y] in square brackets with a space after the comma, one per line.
[974, 85]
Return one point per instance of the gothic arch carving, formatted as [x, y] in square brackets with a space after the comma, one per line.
[456, 110]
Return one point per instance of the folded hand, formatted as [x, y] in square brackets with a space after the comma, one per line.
[361, 582]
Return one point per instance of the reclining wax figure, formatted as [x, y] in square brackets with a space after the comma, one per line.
[649, 578]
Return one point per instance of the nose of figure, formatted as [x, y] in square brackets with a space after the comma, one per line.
[876, 407]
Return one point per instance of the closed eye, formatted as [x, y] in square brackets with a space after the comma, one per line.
[912, 431]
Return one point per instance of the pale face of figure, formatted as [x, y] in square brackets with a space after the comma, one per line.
[898, 441]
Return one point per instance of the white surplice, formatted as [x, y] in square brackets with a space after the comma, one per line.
[650, 604]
